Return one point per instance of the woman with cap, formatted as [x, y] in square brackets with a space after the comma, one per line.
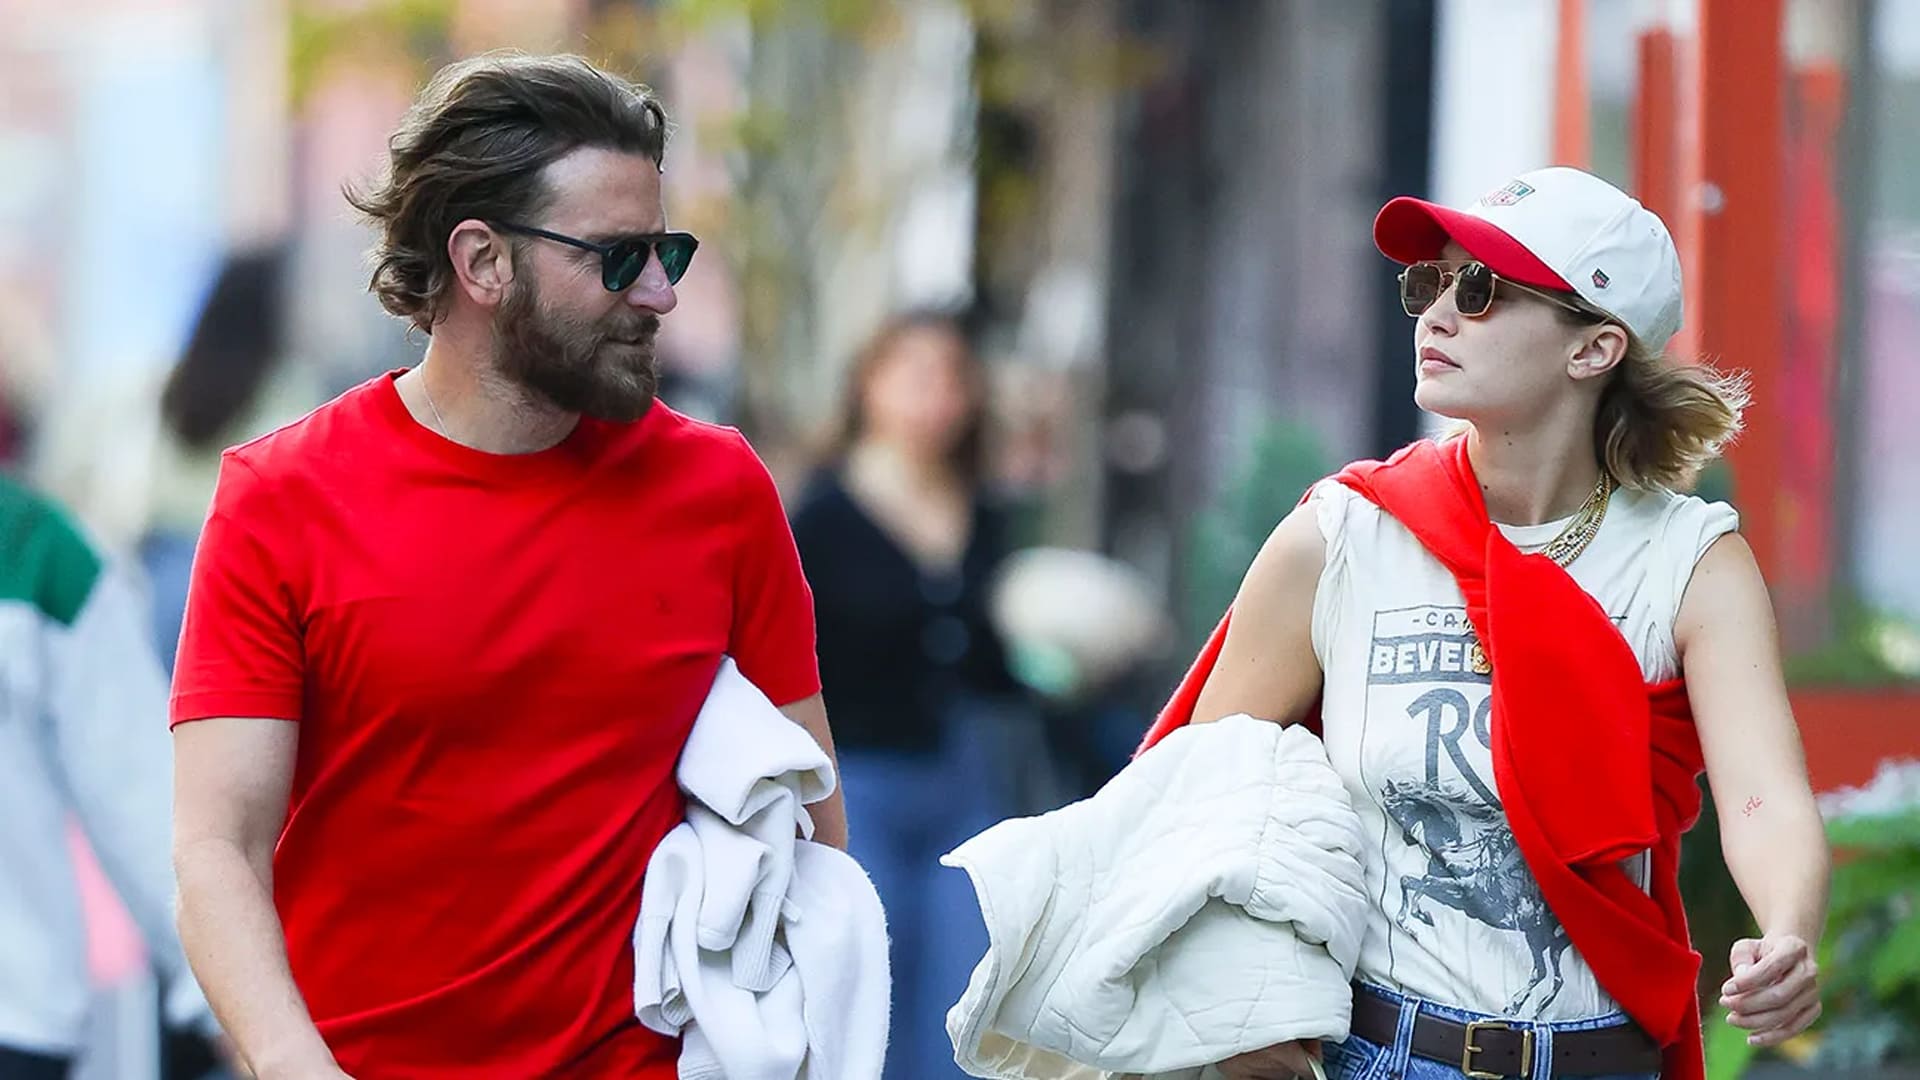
[1521, 645]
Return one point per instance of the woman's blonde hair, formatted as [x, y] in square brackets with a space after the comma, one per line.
[1662, 420]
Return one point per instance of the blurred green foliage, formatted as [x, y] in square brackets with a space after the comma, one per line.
[1870, 960]
[1284, 460]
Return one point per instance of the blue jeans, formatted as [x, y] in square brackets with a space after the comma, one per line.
[904, 811]
[1359, 1059]
[167, 558]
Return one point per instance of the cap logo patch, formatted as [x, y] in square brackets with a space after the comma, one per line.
[1600, 279]
[1508, 195]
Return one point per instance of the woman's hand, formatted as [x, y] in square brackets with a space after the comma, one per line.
[1282, 1062]
[1775, 989]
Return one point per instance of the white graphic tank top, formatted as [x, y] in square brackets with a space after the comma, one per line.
[1458, 917]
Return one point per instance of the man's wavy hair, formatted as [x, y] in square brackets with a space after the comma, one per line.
[475, 145]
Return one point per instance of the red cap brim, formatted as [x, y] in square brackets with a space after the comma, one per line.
[1410, 230]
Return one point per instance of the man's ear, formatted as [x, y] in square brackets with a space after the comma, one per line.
[482, 262]
[1599, 352]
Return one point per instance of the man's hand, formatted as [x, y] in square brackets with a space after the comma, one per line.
[1282, 1062]
[1775, 989]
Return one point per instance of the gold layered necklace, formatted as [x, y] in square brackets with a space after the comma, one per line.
[1573, 539]
[1565, 547]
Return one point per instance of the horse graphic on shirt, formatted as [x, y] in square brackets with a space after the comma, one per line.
[1474, 866]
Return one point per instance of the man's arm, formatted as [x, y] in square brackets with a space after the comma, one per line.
[829, 814]
[231, 783]
[772, 639]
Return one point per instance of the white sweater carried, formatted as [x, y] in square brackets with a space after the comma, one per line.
[1208, 901]
[765, 953]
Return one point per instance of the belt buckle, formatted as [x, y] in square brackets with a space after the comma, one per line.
[1471, 1048]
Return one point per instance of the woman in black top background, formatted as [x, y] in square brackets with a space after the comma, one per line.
[900, 547]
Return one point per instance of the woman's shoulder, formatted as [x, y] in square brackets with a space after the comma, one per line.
[1340, 509]
[1334, 492]
[1667, 513]
[821, 482]
[822, 498]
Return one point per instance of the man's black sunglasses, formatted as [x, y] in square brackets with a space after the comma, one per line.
[622, 260]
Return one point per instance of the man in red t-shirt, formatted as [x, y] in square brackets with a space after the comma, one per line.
[447, 635]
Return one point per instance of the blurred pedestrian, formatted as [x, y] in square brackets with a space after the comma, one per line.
[901, 545]
[1524, 643]
[26, 369]
[136, 452]
[81, 697]
[233, 382]
[447, 635]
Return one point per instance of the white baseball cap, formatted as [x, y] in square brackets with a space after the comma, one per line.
[1556, 228]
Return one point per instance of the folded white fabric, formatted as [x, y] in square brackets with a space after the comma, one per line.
[1208, 901]
[766, 953]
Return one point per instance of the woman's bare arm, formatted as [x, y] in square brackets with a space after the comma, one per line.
[1771, 834]
[1267, 667]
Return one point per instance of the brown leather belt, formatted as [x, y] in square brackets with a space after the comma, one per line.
[1495, 1049]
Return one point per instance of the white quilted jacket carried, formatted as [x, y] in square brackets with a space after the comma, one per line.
[1208, 901]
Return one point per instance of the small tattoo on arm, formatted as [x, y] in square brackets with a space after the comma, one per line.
[1752, 805]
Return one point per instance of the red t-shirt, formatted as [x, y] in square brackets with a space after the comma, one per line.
[494, 661]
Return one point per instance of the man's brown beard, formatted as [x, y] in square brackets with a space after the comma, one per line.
[566, 361]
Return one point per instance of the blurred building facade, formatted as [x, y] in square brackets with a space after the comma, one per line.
[1157, 212]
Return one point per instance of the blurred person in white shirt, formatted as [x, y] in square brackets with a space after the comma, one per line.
[82, 739]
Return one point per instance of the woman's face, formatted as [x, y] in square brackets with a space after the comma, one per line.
[920, 395]
[1518, 361]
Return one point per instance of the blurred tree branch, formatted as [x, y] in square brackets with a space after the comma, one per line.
[804, 200]
[322, 34]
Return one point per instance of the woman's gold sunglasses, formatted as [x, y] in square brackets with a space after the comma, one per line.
[1474, 286]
